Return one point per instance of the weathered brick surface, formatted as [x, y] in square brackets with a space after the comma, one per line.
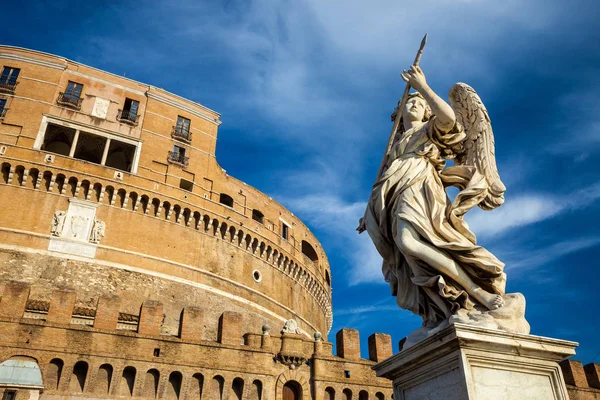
[348, 344]
[62, 303]
[380, 347]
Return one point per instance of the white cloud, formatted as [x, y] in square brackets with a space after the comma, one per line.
[366, 309]
[542, 256]
[528, 209]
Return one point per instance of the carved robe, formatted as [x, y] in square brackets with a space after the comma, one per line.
[412, 189]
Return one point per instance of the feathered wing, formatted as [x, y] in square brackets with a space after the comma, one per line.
[478, 148]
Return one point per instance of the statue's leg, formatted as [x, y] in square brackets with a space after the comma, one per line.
[411, 245]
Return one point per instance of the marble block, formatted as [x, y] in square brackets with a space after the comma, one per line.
[466, 362]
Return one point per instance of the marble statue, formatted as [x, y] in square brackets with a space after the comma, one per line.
[430, 257]
[98, 231]
[58, 221]
[290, 326]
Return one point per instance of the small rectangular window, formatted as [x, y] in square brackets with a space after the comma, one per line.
[2, 108]
[178, 151]
[285, 231]
[9, 75]
[9, 395]
[186, 185]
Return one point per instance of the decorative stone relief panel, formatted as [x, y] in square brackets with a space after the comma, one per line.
[100, 108]
[77, 230]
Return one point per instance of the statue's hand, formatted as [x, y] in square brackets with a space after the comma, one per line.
[415, 77]
[362, 226]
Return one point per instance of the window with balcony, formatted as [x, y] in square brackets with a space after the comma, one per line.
[181, 131]
[129, 113]
[177, 156]
[8, 79]
[3, 108]
[71, 97]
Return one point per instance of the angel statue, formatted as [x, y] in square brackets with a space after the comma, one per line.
[430, 257]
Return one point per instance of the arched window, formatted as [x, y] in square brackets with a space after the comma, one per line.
[257, 388]
[380, 396]
[174, 386]
[195, 392]
[347, 394]
[103, 378]
[53, 373]
[258, 216]
[226, 200]
[237, 387]
[127, 382]
[327, 278]
[363, 395]
[151, 384]
[310, 252]
[329, 393]
[292, 390]
[78, 377]
[216, 388]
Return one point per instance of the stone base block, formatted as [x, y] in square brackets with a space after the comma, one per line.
[465, 362]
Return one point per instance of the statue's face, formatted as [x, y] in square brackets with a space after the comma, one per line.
[414, 110]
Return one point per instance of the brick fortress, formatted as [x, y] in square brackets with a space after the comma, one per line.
[132, 265]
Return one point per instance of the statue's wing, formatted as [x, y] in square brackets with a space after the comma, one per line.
[478, 150]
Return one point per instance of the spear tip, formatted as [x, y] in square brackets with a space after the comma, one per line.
[424, 41]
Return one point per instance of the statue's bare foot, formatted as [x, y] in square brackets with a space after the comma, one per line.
[491, 301]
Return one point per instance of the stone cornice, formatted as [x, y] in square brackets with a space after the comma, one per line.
[183, 107]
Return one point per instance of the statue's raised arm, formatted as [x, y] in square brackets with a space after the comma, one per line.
[430, 257]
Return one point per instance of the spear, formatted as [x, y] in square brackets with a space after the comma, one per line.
[361, 227]
[400, 108]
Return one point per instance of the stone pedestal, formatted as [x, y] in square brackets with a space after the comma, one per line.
[465, 362]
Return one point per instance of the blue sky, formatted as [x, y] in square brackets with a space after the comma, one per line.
[306, 87]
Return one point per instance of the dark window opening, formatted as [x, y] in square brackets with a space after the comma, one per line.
[3, 108]
[8, 79]
[129, 113]
[9, 395]
[58, 139]
[285, 231]
[238, 388]
[258, 216]
[90, 147]
[156, 352]
[327, 278]
[310, 252]
[226, 200]
[186, 185]
[363, 395]
[120, 155]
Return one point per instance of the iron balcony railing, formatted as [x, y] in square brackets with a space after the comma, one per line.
[3, 112]
[8, 86]
[179, 158]
[181, 133]
[128, 117]
[69, 100]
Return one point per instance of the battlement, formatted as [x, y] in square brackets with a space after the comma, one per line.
[583, 382]
[61, 309]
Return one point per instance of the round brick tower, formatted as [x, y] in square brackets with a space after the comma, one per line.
[111, 187]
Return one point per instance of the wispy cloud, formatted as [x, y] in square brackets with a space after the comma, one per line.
[365, 309]
[531, 259]
[528, 209]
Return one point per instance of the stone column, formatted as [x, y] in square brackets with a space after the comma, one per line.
[465, 362]
[74, 144]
